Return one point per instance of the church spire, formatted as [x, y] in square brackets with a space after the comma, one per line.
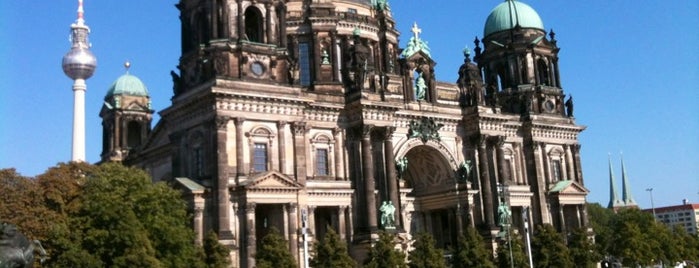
[614, 200]
[626, 187]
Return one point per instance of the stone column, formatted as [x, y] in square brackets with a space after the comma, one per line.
[570, 166]
[486, 187]
[502, 168]
[281, 133]
[199, 225]
[300, 151]
[349, 222]
[222, 191]
[342, 221]
[540, 179]
[578, 165]
[339, 160]
[392, 179]
[251, 234]
[271, 29]
[239, 163]
[369, 182]
[292, 209]
[563, 218]
[311, 221]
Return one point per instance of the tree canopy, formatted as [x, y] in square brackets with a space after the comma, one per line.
[471, 251]
[549, 248]
[384, 253]
[425, 254]
[331, 251]
[273, 252]
[96, 216]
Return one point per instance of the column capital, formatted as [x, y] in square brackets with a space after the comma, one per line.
[337, 131]
[239, 121]
[222, 122]
[300, 128]
[250, 207]
[480, 140]
[281, 123]
[366, 131]
[388, 133]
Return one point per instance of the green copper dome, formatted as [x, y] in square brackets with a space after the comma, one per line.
[507, 15]
[127, 85]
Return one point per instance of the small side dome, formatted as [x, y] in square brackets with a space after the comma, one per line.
[509, 14]
[127, 85]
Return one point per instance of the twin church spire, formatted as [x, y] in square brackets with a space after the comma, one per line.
[614, 201]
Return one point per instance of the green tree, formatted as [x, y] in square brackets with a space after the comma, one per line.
[384, 254]
[549, 248]
[216, 254]
[424, 253]
[582, 250]
[519, 258]
[632, 248]
[471, 251]
[21, 204]
[331, 251]
[601, 222]
[273, 252]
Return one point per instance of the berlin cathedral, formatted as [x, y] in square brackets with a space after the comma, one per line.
[307, 115]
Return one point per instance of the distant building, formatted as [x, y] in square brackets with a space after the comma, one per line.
[685, 215]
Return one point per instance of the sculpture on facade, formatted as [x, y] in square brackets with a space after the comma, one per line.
[465, 170]
[420, 88]
[569, 106]
[426, 129]
[359, 55]
[16, 250]
[388, 215]
[402, 166]
[504, 214]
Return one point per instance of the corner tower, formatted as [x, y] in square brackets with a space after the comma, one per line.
[79, 64]
[126, 116]
[519, 63]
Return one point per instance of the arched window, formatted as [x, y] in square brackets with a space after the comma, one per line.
[543, 70]
[133, 135]
[203, 36]
[254, 30]
[221, 20]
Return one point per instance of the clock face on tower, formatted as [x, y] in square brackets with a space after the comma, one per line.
[549, 106]
[257, 68]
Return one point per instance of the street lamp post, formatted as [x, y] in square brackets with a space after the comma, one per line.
[652, 205]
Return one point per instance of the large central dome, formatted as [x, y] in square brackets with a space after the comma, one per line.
[509, 14]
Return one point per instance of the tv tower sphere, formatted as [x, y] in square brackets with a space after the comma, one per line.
[79, 63]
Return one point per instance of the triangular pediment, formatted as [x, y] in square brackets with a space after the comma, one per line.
[271, 180]
[568, 187]
[419, 56]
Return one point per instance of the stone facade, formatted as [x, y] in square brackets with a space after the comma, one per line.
[293, 114]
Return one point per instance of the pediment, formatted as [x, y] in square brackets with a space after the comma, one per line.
[568, 187]
[135, 106]
[271, 180]
[419, 56]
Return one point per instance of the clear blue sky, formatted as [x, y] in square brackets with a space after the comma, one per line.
[633, 68]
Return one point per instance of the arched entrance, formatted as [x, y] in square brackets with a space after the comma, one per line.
[430, 180]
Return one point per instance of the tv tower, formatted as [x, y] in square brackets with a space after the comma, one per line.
[79, 64]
